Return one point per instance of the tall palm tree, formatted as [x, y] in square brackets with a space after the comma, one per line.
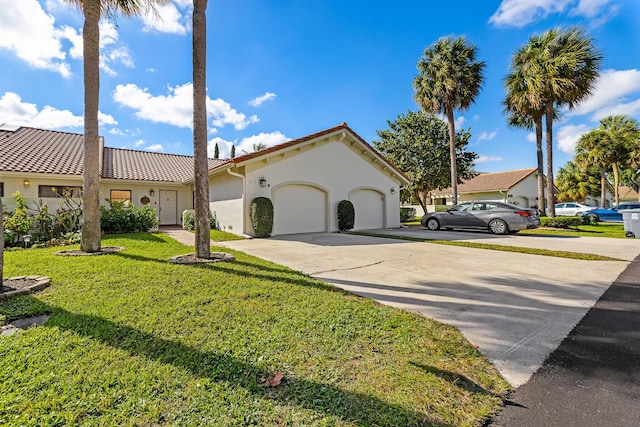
[92, 11]
[201, 172]
[591, 151]
[563, 69]
[450, 78]
[577, 183]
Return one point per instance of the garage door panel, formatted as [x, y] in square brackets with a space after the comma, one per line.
[299, 209]
[369, 207]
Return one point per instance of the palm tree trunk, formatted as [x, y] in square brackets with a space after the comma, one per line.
[616, 183]
[541, 202]
[90, 240]
[201, 184]
[551, 203]
[452, 154]
[603, 186]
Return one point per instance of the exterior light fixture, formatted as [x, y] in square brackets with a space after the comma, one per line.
[152, 192]
[393, 190]
[26, 183]
[26, 238]
[263, 182]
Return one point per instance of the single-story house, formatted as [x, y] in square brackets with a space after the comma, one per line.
[305, 179]
[519, 187]
[628, 194]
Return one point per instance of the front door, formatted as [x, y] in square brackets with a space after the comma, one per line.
[168, 207]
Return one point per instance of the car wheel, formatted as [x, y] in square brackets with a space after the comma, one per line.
[592, 218]
[433, 224]
[498, 226]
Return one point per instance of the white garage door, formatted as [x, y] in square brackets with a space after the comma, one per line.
[299, 209]
[369, 207]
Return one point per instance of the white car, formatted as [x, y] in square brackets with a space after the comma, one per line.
[572, 209]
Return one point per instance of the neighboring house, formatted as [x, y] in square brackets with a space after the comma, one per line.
[628, 194]
[305, 179]
[519, 187]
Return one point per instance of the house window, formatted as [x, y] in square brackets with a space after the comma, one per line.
[123, 196]
[59, 191]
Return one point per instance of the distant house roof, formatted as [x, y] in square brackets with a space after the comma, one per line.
[485, 182]
[300, 141]
[628, 193]
[33, 150]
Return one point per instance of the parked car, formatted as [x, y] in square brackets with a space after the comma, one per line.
[613, 214]
[572, 209]
[496, 217]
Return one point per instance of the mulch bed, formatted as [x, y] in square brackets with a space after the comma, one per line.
[193, 259]
[103, 251]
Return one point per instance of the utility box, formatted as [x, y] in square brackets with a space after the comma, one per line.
[631, 219]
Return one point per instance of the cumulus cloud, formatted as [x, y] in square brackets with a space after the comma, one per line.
[567, 137]
[155, 147]
[138, 143]
[487, 136]
[519, 13]
[268, 96]
[172, 18]
[459, 122]
[245, 145]
[176, 108]
[14, 111]
[483, 158]
[531, 137]
[617, 92]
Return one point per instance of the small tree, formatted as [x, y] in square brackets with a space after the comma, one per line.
[261, 212]
[216, 152]
[346, 215]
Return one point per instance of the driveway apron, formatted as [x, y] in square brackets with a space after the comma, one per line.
[516, 308]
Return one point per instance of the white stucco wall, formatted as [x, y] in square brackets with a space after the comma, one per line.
[332, 166]
[226, 201]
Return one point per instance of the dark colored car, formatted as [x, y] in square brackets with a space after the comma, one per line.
[613, 214]
[496, 217]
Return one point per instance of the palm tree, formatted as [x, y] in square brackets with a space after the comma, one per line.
[590, 151]
[92, 11]
[563, 69]
[201, 172]
[449, 79]
[577, 183]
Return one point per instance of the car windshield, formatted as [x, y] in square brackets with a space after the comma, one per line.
[461, 207]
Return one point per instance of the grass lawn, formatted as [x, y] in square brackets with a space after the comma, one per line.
[601, 229]
[223, 236]
[134, 340]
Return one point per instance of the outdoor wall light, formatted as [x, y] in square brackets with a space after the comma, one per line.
[152, 192]
[26, 183]
[393, 190]
[263, 182]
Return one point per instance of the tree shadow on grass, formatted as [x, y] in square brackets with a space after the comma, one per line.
[352, 407]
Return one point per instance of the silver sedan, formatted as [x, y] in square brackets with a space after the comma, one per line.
[496, 217]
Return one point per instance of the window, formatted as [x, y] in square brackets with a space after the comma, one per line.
[123, 196]
[59, 191]
[462, 207]
[1, 189]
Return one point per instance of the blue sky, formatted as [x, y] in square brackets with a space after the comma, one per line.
[280, 70]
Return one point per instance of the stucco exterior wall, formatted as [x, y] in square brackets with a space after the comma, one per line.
[226, 201]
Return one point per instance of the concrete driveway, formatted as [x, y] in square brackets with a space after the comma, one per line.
[517, 308]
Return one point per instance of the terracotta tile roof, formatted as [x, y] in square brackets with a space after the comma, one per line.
[41, 151]
[343, 126]
[490, 182]
[136, 165]
[45, 151]
[628, 193]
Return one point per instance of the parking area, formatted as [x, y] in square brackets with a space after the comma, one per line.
[516, 307]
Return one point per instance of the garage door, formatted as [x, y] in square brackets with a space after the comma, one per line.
[369, 206]
[299, 209]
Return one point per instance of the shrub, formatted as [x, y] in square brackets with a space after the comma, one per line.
[189, 220]
[442, 208]
[118, 219]
[346, 215]
[407, 214]
[561, 221]
[261, 212]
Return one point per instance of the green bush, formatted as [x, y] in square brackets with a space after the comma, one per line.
[189, 220]
[346, 215]
[120, 219]
[261, 212]
[442, 208]
[407, 214]
[561, 221]
[16, 223]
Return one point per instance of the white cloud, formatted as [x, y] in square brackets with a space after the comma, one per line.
[173, 18]
[519, 13]
[14, 111]
[246, 144]
[138, 143]
[487, 136]
[483, 158]
[617, 92]
[28, 32]
[155, 147]
[531, 137]
[459, 122]
[177, 108]
[567, 137]
[268, 96]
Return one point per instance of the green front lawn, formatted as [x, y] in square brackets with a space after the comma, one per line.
[601, 229]
[134, 340]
